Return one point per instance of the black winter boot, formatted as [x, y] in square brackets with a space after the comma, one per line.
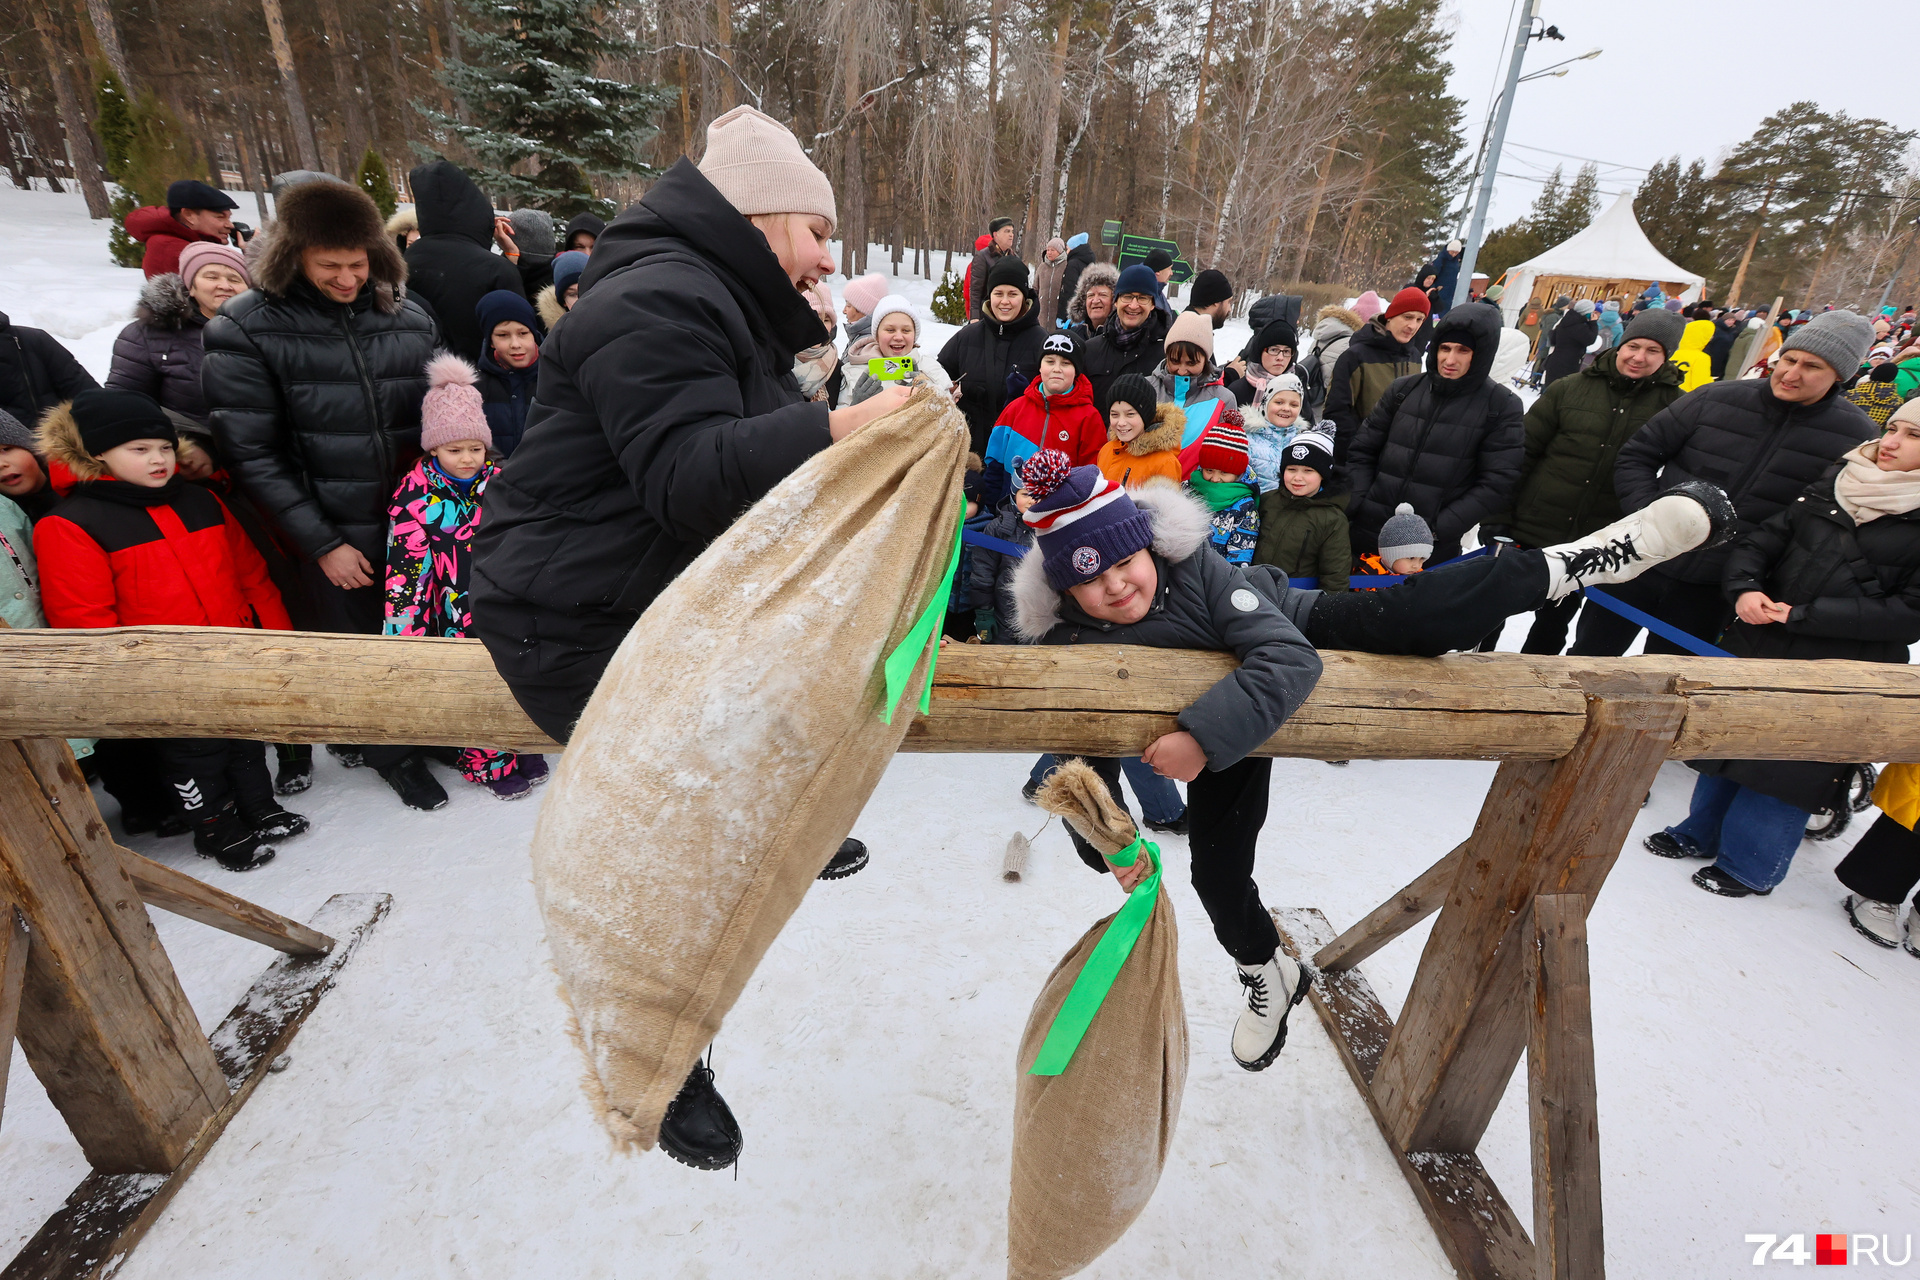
[414, 785]
[225, 836]
[295, 773]
[274, 823]
[852, 857]
[349, 757]
[699, 1130]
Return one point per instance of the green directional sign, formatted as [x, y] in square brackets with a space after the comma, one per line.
[1136, 248]
[1110, 231]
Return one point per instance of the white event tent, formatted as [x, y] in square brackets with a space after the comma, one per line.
[1611, 258]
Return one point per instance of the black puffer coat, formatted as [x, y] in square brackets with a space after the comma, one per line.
[452, 265]
[1451, 447]
[1106, 359]
[159, 353]
[36, 372]
[1078, 259]
[1762, 450]
[1571, 338]
[980, 357]
[666, 407]
[316, 405]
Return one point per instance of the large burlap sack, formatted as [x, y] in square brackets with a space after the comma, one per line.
[1089, 1143]
[732, 742]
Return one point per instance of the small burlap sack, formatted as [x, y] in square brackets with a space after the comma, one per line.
[1090, 1142]
[732, 742]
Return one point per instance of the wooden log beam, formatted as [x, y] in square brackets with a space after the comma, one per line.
[161, 886]
[1393, 917]
[1544, 828]
[1477, 1228]
[1091, 699]
[13, 975]
[1561, 1095]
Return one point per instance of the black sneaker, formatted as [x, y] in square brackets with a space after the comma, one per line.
[1178, 827]
[275, 823]
[1031, 788]
[1668, 845]
[226, 837]
[295, 772]
[699, 1130]
[414, 785]
[349, 757]
[851, 858]
[1714, 880]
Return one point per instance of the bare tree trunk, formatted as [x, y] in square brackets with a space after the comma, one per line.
[1313, 210]
[107, 31]
[1200, 95]
[1050, 131]
[1262, 61]
[297, 118]
[353, 129]
[1080, 130]
[994, 14]
[723, 36]
[73, 117]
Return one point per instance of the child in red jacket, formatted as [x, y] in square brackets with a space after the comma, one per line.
[132, 544]
[1055, 412]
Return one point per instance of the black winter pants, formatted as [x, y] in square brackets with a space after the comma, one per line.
[359, 612]
[1432, 613]
[1698, 608]
[1885, 865]
[1225, 810]
[130, 770]
[205, 774]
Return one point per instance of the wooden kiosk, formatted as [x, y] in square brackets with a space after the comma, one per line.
[1504, 969]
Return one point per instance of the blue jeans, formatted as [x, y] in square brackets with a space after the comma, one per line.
[1159, 798]
[1752, 837]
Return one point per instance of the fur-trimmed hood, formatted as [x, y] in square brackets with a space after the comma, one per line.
[1169, 424]
[547, 303]
[166, 304]
[327, 215]
[58, 437]
[1181, 527]
[1094, 273]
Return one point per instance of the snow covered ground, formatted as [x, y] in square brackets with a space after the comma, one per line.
[1755, 1059]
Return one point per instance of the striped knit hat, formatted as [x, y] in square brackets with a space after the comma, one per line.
[1224, 446]
[1085, 527]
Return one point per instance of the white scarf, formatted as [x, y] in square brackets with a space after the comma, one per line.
[1865, 492]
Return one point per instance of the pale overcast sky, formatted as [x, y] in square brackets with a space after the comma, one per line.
[1692, 76]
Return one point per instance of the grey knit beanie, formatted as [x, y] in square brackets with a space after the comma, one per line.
[1841, 338]
[533, 231]
[1584, 306]
[1663, 327]
[14, 434]
[1404, 535]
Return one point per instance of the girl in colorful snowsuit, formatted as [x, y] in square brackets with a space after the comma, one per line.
[431, 522]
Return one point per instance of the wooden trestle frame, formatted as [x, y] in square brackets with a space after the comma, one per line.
[1504, 969]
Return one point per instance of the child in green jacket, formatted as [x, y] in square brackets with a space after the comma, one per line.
[1303, 528]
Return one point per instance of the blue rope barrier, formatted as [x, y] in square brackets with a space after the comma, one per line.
[1666, 630]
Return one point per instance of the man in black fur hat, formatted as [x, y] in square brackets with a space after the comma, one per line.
[313, 382]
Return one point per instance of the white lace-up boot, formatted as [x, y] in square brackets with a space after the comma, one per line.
[1689, 516]
[1272, 989]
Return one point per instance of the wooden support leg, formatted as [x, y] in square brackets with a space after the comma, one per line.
[13, 973]
[103, 1022]
[1546, 827]
[1561, 1094]
[159, 885]
[1393, 917]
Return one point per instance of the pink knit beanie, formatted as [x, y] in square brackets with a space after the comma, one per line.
[757, 164]
[865, 292]
[205, 253]
[1368, 305]
[452, 410]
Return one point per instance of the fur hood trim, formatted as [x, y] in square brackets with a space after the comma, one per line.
[327, 215]
[59, 441]
[547, 303]
[1094, 273]
[403, 221]
[1181, 528]
[1349, 318]
[166, 304]
[1169, 424]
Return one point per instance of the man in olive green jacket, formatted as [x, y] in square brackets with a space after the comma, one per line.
[1574, 433]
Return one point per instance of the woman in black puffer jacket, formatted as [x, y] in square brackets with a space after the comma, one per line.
[1452, 447]
[159, 354]
[981, 357]
[1834, 575]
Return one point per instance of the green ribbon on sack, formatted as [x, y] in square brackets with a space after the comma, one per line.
[1102, 967]
[899, 664]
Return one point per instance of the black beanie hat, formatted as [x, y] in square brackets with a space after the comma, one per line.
[1159, 260]
[1009, 270]
[108, 418]
[1062, 343]
[191, 193]
[1209, 287]
[1136, 391]
[998, 223]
